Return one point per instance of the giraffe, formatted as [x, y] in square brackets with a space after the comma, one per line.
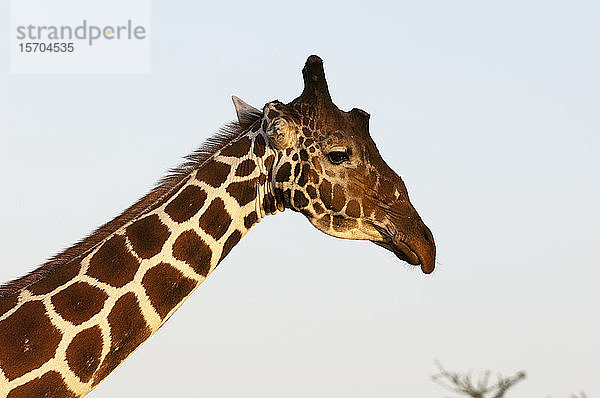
[65, 326]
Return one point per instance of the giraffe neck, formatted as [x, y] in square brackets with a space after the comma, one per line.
[66, 332]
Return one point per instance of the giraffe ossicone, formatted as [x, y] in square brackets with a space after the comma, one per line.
[65, 326]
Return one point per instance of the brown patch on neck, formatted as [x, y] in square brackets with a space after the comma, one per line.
[163, 190]
[190, 248]
[79, 302]
[28, 340]
[166, 287]
[50, 384]
[83, 353]
[128, 329]
[8, 303]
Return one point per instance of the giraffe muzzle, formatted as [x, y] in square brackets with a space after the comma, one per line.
[419, 249]
[416, 248]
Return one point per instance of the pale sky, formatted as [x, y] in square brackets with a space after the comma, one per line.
[489, 112]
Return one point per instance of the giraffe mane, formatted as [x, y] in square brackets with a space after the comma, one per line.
[162, 190]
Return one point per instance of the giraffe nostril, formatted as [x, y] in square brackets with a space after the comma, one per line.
[428, 235]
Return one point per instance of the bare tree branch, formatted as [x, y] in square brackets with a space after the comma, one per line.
[463, 383]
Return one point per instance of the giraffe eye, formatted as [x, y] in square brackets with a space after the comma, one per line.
[338, 157]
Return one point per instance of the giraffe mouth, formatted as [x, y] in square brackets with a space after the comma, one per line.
[401, 250]
[421, 253]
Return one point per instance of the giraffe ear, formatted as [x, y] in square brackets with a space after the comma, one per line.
[242, 109]
[281, 133]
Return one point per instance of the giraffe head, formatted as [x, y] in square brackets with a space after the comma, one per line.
[329, 169]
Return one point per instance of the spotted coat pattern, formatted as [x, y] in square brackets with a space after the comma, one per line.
[62, 339]
[65, 329]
